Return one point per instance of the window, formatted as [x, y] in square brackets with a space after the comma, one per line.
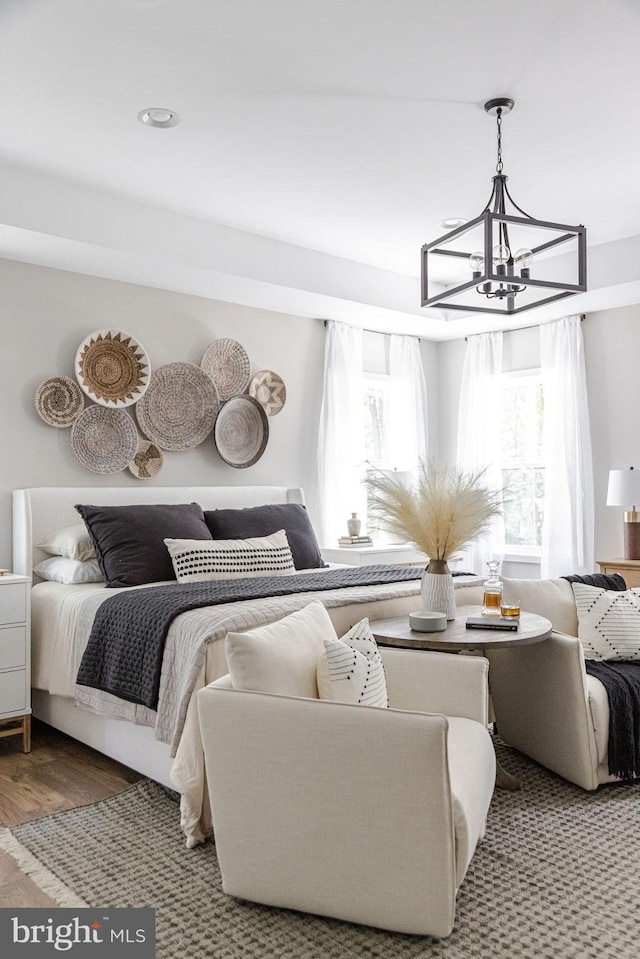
[394, 408]
[377, 418]
[521, 422]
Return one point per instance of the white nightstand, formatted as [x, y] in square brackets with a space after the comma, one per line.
[15, 658]
[374, 555]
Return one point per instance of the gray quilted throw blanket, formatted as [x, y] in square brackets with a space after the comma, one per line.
[622, 683]
[124, 653]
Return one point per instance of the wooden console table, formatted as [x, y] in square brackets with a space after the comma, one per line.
[629, 569]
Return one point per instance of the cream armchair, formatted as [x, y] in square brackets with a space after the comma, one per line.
[364, 814]
[544, 702]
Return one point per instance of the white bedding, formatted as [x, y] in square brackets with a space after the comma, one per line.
[61, 619]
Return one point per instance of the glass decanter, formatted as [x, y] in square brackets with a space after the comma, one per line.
[492, 597]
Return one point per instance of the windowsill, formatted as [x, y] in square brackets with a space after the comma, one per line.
[532, 558]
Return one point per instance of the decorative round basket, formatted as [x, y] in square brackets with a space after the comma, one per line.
[227, 364]
[104, 441]
[179, 408]
[269, 390]
[59, 401]
[147, 461]
[241, 431]
[112, 368]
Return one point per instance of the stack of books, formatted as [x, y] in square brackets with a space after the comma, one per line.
[355, 541]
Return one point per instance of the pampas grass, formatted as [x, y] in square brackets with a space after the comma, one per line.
[447, 508]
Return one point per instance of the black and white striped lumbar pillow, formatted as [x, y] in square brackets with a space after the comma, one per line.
[195, 560]
[608, 622]
[354, 668]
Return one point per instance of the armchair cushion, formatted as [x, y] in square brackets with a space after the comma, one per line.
[608, 622]
[351, 669]
[283, 656]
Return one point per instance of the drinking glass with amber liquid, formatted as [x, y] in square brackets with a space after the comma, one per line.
[492, 596]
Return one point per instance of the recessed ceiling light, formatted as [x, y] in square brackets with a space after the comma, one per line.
[452, 222]
[159, 117]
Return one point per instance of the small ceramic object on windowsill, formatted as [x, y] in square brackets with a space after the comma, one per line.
[354, 525]
[3, 572]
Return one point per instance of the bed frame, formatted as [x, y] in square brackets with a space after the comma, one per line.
[38, 512]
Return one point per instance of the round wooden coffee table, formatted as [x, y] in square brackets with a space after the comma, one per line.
[456, 638]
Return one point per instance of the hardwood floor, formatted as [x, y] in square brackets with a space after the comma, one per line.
[59, 773]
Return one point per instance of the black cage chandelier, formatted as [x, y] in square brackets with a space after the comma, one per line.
[488, 263]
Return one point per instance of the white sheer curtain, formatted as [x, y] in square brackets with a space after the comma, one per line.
[568, 531]
[408, 440]
[479, 433]
[341, 435]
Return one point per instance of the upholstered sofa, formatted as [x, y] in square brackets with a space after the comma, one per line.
[544, 702]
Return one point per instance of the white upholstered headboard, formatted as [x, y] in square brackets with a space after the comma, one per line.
[42, 510]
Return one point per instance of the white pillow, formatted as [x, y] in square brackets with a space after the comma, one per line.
[608, 622]
[73, 542]
[196, 560]
[283, 656]
[351, 669]
[71, 572]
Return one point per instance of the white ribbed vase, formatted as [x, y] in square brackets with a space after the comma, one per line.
[437, 590]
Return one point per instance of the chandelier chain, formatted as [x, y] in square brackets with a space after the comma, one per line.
[499, 164]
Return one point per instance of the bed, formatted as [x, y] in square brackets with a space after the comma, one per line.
[61, 616]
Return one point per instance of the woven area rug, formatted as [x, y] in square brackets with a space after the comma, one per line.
[556, 876]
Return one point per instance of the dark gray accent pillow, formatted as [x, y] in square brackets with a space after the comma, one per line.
[129, 540]
[265, 520]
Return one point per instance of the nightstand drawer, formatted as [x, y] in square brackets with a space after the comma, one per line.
[13, 603]
[13, 646]
[13, 691]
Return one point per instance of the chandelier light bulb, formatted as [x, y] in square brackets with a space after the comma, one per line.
[476, 262]
[501, 255]
[523, 259]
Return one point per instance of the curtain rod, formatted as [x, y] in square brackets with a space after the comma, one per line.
[533, 326]
[379, 332]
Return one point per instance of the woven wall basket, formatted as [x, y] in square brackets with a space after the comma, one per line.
[179, 408]
[59, 401]
[103, 440]
[147, 461]
[269, 390]
[241, 431]
[112, 368]
[227, 364]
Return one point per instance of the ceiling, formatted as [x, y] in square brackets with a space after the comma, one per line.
[321, 143]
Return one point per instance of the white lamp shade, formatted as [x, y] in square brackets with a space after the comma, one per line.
[624, 488]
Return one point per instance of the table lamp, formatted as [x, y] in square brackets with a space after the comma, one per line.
[624, 490]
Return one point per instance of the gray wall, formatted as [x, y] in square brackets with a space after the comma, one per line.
[45, 314]
[612, 347]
